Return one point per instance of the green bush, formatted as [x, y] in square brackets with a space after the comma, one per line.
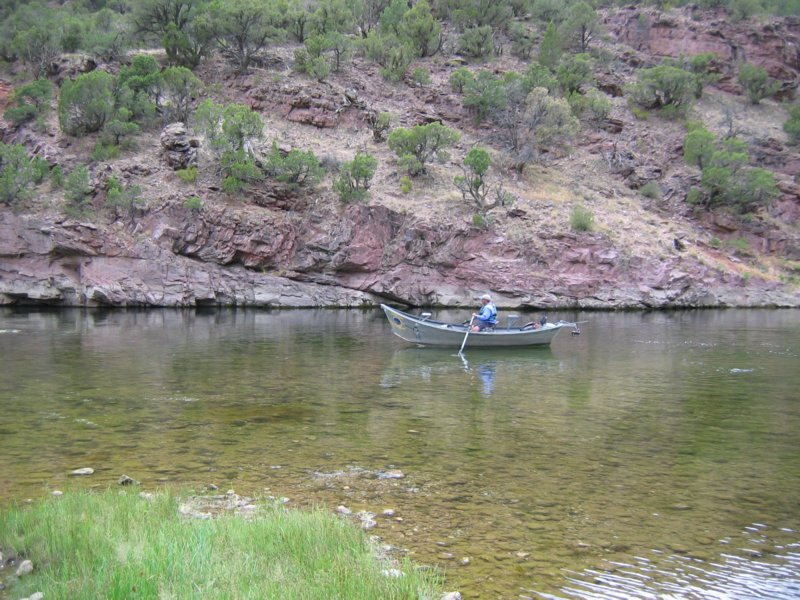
[77, 189]
[522, 40]
[698, 147]
[31, 101]
[418, 145]
[296, 167]
[421, 76]
[574, 71]
[472, 182]
[756, 82]
[460, 78]
[651, 190]
[188, 175]
[380, 124]
[19, 172]
[581, 218]
[484, 94]
[122, 199]
[663, 86]
[550, 50]
[355, 177]
[406, 185]
[179, 87]
[792, 125]
[193, 204]
[86, 104]
[476, 42]
[422, 31]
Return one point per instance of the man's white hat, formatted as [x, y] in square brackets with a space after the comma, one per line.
[486, 297]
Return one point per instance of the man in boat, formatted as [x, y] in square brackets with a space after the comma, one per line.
[487, 318]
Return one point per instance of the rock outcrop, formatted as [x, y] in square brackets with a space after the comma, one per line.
[358, 257]
[180, 150]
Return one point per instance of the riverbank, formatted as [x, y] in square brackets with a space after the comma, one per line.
[126, 544]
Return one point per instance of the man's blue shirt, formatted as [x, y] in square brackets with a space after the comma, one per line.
[488, 314]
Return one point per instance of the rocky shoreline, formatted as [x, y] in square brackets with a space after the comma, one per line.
[359, 257]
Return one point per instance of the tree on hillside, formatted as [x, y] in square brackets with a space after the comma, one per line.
[550, 49]
[663, 86]
[698, 147]
[86, 103]
[156, 16]
[418, 145]
[423, 32]
[756, 82]
[580, 27]
[547, 124]
[368, 13]
[243, 29]
[180, 88]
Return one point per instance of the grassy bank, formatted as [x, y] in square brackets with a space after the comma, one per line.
[117, 545]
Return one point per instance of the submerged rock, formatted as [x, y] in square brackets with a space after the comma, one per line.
[125, 480]
[24, 568]
[83, 471]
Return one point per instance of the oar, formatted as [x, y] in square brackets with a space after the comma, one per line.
[466, 335]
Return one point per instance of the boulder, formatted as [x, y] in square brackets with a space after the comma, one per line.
[180, 150]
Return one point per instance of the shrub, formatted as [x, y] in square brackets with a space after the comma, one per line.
[521, 40]
[18, 173]
[460, 78]
[418, 145]
[355, 177]
[421, 76]
[792, 125]
[56, 177]
[421, 29]
[122, 199]
[698, 147]
[229, 127]
[574, 71]
[581, 218]
[651, 190]
[547, 124]
[180, 87]
[31, 100]
[86, 103]
[476, 42]
[193, 204]
[188, 175]
[380, 124]
[472, 182]
[406, 185]
[663, 86]
[77, 189]
[550, 50]
[756, 82]
[297, 167]
[580, 26]
[483, 94]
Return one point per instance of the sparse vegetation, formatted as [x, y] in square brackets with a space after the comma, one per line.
[417, 146]
[581, 218]
[355, 177]
[19, 172]
[756, 82]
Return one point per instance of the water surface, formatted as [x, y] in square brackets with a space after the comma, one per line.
[654, 455]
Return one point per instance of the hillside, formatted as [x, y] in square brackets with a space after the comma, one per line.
[192, 243]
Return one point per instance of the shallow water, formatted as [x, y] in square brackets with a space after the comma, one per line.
[656, 455]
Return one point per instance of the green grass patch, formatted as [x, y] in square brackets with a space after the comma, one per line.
[116, 545]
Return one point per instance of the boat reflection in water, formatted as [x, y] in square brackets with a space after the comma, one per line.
[486, 367]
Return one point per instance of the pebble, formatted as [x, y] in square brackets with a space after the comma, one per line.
[83, 471]
[24, 568]
[36, 596]
[343, 510]
[146, 495]
[389, 512]
[57, 493]
[466, 560]
[125, 480]
[451, 596]
[391, 474]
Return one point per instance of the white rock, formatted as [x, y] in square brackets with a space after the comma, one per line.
[83, 471]
[36, 596]
[389, 512]
[451, 596]
[343, 510]
[24, 568]
[57, 493]
[146, 495]
[395, 573]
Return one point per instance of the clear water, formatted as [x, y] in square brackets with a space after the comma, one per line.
[656, 455]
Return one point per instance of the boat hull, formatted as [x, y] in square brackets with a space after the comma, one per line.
[436, 333]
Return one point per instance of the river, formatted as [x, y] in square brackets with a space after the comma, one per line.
[655, 455]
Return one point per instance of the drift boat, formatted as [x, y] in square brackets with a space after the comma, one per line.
[427, 332]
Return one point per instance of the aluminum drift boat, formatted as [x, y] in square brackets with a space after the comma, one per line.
[427, 332]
